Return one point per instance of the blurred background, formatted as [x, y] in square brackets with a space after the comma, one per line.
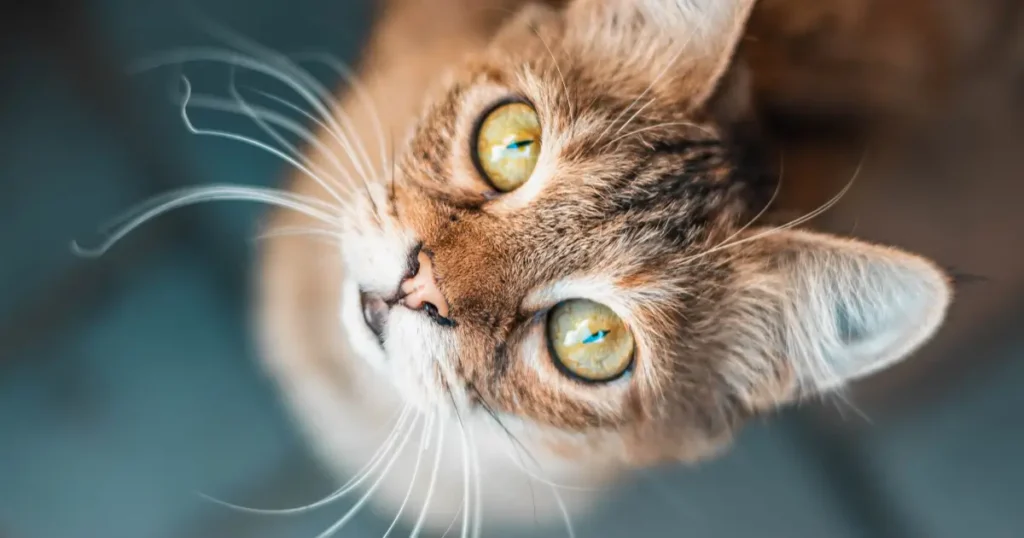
[128, 383]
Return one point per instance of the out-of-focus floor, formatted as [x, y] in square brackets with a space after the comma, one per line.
[128, 383]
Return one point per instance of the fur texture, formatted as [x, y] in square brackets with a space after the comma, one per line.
[644, 200]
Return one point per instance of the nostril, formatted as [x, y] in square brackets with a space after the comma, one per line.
[421, 291]
[436, 316]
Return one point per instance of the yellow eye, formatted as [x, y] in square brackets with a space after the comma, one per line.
[589, 340]
[508, 144]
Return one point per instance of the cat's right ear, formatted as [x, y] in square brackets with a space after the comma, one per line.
[824, 310]
[677, 49]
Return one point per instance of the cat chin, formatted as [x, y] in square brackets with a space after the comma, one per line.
[348, 406]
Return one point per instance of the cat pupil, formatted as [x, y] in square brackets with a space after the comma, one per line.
[596, 337]
[519, 144]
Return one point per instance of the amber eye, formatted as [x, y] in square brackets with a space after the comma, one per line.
[508, 144]
[589, 341]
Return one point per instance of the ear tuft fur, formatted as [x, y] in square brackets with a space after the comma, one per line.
[685, 46]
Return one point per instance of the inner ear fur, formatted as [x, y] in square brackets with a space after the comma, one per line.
[824, 311]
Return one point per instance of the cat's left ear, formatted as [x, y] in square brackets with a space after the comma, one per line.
[830, 310]
[677, 49]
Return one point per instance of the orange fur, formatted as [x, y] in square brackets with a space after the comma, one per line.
[643, 197]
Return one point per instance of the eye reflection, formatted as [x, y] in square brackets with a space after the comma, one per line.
[508, 144]
[589, 341]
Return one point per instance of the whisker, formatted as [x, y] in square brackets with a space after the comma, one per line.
[791, 224]
[565, 513]
[314, 96]
[415, 472]
[209, 102]
[451, 523]
[333, 529]
[767, 206]
[433, 481]
[494, 416]
[568, 487]
[360, 90]
[150, 209]
[299, 231]
[657, 78]
[305, 134]
[637, 113]
[840, 399]
[561, 76]
[326, 97]
[520, 447]
[464, 443]
[478, 505]
[249, 141]
[264, 118]
[702, 128]
[347, 487]
[345, 146]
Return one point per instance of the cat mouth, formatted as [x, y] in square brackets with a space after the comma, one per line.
[375, 314]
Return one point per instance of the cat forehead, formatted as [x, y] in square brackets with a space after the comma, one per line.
[593, 175]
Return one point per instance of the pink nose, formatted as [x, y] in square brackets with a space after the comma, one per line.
[421, 289]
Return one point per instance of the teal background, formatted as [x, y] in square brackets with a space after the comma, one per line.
[129, 383]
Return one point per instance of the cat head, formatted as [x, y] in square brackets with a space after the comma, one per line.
[567, 239]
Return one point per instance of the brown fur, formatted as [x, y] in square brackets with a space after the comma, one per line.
[649, 167]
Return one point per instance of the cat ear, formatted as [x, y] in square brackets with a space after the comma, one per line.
[529, 23]
[682, 47]
[841, 309]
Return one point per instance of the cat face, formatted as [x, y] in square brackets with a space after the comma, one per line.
[567, 240]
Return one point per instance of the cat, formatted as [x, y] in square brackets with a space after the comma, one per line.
[546, 265]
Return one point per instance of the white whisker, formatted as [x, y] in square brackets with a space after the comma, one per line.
[791, 224]
[478, 505]
[249, 141]
[265, 118]
[657, 78]
[466, 471]
[326, 98]
[347, 487]
[634, 116]
[332, 236]
[123, 225]
[415, 472]
[433, 480]
[303, 133]
[661, 126]
[314, 95]
[561, 76]
[451, 523]
[514, 456]
[296, 108]
[345, 145]
[767, 206]
[362, 94]
[333, 529]
[565, 512]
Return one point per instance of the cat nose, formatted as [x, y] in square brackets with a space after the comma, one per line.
[420, 291]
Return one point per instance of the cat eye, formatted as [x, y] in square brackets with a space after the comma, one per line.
[588, 341]
[507, 145]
